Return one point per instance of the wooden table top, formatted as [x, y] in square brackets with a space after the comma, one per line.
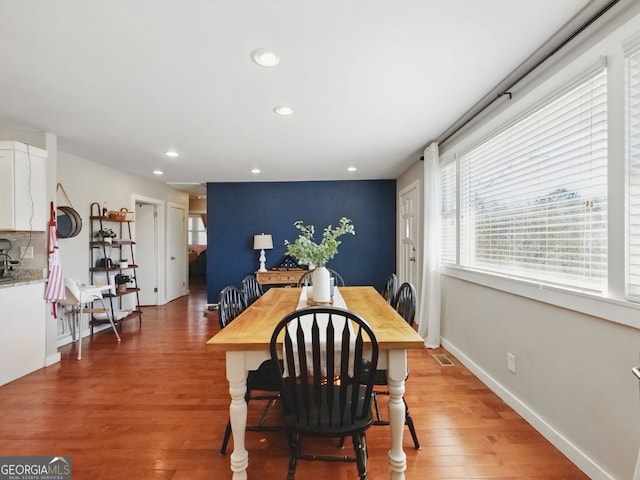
[252, 329]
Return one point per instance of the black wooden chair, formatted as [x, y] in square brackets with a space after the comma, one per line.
[231, 303]
[251, 289]
[390, 288]
[265, 379]
[405, 304]
[326, 387]
[306, 279]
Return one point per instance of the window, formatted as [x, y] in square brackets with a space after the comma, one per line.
[197, 231]
[533, 197]
[449, 213]
[633, 178]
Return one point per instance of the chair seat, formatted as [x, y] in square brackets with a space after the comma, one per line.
[329, 421]
[265, 378]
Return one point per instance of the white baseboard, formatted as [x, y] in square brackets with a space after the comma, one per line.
[51, 359]
[571, 451]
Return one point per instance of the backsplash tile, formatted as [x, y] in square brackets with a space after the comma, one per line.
[30, 268]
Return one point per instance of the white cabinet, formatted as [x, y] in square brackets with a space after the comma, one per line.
[23, 204]
[22, 330]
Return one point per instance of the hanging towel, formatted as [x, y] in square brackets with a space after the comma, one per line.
[55, 284]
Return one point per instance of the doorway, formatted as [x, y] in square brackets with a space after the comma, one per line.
[408, 235]
[147, 249]
[176, 253]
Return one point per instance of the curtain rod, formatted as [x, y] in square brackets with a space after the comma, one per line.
[515, 77]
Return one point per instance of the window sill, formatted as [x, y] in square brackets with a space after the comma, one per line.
[618, 311]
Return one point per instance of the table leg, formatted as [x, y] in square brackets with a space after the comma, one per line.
[80, 333]
[396, 373]
[237, 377]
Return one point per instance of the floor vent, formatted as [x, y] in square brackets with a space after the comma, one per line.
[443, 360]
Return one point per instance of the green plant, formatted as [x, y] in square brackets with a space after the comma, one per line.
[106, 233]
[121, 279]
[308, 252]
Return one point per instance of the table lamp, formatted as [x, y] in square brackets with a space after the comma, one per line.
[262, 242]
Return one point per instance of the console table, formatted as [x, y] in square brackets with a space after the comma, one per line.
[280, 277]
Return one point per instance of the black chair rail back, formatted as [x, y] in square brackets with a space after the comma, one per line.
[231, 303]
[332, 392]
[251, 289]
[390, 288]
[405, 302]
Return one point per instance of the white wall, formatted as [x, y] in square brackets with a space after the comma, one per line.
[86, 182]
[573, 378]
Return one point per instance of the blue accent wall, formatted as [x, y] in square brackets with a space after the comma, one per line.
[237, 211]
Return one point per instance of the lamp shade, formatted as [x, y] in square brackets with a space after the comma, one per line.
[262, 242]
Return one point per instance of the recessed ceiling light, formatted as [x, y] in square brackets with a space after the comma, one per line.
[172, 154]
[158, 172]
[283, 110]
[265, 57]
[352, 169]
[255, 170]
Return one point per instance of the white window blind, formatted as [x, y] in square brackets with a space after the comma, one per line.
[534, 196]
[197, 231]
[633, 179]
[449, 213]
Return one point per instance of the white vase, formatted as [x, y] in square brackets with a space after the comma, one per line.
[321, 285]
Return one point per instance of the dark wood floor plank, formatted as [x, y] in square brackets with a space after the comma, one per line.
[155, 406]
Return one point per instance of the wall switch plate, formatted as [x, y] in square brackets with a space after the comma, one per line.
[26, 252]
[511, 362]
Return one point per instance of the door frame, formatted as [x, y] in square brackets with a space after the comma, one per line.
[419, 254]
[153, 237]
[184, 277]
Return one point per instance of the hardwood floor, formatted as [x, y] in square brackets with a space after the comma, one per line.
[155, 407]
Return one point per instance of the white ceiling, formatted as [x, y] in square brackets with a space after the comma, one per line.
[371, 81]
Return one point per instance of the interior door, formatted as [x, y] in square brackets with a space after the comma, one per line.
[408, 235]
[176, 261]
[146, 215]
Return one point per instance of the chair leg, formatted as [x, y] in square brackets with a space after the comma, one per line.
[225, 439]
[113, 325]
[360, 448]
[412, 429]
[265, 412]
[294, 452]
[72, 314]
[375, 402]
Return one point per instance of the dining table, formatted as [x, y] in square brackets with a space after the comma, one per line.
[245, 342]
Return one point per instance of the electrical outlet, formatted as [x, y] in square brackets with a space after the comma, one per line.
[26, 252]
[511, 362]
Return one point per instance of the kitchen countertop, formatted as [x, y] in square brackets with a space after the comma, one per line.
[23, 277]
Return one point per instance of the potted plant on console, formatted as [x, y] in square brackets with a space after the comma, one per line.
[310, 253]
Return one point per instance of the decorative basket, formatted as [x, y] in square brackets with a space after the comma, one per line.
[122, 215]
[119, 216]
